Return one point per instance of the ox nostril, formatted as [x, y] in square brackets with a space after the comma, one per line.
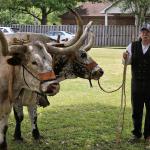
[52, 89]
[101, 71]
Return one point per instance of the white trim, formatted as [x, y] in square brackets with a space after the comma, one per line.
[106, 19]
[104, 10]
[115, 9]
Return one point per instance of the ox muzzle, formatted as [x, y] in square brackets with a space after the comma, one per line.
[49, 85]
[96, 71]
[88, 71]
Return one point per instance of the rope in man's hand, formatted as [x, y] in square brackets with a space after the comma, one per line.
[120, 124]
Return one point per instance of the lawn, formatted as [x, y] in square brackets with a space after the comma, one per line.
[80, 117]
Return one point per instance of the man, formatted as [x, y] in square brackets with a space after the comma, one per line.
[138, 55]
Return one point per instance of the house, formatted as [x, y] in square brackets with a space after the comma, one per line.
[116, 10]
[106, 13]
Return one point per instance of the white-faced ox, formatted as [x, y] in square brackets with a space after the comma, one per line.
[22, 67]
[71, 65]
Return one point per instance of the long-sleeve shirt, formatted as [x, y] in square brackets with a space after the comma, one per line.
[128, 49]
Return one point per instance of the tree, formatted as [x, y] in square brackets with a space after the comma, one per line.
[40, 10]
[10, 17]
[139, 8]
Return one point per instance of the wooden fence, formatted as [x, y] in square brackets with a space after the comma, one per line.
[104, 35]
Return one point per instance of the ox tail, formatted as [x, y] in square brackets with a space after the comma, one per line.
[3, 44]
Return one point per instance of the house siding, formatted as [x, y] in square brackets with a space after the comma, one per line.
[100, 20]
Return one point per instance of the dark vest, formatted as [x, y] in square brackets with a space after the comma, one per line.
[140, 63]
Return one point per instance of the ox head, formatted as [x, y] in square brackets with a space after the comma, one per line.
[83, 65]
[78, 64]
[36, 63]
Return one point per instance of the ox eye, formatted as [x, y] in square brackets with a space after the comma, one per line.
[83, 55]
[34, 63]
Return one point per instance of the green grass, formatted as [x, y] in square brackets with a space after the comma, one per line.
[80, 117]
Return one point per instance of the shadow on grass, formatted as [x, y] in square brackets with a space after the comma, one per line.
[115, 47]
[76, 127]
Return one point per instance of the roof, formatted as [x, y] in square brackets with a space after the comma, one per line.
[96, 9]
[115, 8]
[90, 9]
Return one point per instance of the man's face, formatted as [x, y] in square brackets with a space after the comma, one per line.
[145, 35]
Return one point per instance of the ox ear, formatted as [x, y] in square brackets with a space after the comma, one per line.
[15, 60]
[18, 54]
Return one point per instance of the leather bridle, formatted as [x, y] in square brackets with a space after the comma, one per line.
[89, 67]
[42, 77]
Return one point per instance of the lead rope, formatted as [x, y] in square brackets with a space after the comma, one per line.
[121, 116]
[24, 77]
[90, 82]
[24, 68]
[120, 124]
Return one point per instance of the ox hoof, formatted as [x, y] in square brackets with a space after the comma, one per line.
[36, 135]
[38, 138]
[18, 139]
[3, 146]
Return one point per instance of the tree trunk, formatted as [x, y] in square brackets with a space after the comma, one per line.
[44, 20]
[44, 17]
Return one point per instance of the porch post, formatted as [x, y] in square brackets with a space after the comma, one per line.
[136, 20]
[106, 19]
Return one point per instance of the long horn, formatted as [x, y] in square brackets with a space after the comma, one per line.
[79, 31]
[90, 42]
[74, 47]
[4, 44]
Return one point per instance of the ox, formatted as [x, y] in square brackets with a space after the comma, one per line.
[77, 64]
[73, 64]
[30, 68]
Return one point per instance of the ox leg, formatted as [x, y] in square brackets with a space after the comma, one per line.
[33, 117]
[3, 130]
[18, 113]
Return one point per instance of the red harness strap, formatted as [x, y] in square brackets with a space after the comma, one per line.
[91, 65]
[47, 76]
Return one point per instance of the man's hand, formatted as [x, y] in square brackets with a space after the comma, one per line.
[125, 55]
